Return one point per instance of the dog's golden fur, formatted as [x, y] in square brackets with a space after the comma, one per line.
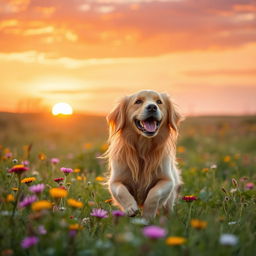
[138, 162]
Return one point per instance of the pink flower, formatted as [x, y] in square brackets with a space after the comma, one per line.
[55, 160]
[99, 213]
[118, 213]
[249, 186]
[37, 188]
[25, 163]
[66, 170]
[29, 241]
[154, 232]
[41, 230]
[28, 200]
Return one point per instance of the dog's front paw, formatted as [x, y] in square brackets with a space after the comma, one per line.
[132, 210]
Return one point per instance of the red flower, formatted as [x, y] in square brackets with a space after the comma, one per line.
[18, 169]
[189, 198]
[58, 180]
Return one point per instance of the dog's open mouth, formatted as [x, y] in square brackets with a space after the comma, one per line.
[148, 126]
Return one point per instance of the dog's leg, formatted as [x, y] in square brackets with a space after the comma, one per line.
[124, 198]
[156, 197]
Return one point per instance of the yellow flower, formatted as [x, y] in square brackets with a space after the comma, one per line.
[198, 224]
[77, 170]
[14, 189]
[74, 203]
[28, 180]
[9, 198]
[181, 149]
[58, 192]
[100, 178]
[41, 205]
[75, 226]
[175, 240]
[227, 159]
[81, 178]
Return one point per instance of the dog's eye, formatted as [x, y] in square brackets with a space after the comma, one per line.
[159, 102]
[138, 101]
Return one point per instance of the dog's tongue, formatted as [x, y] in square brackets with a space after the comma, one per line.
[149, 126]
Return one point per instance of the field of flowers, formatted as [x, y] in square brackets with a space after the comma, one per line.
[54, 200]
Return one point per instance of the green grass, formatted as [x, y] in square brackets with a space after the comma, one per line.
[211, 152]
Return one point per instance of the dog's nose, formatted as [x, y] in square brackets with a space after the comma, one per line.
[151, 108]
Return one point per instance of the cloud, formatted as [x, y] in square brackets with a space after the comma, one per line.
[112, 29]
[221, 72]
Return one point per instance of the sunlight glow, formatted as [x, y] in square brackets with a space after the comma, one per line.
[62, 108]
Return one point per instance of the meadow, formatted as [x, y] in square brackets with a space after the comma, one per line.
[215, 213]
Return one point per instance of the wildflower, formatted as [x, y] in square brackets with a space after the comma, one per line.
[74, 203]
[41, 205]
[55, 160]
[118, 213]
[42, 156]
[58, 192]
[15, 161]
[29, 241]
[154, 232]
[14, 189]
[249, 186]
[198, 224]
[65, 170]
[109, 201]
[27, 201]
[18, 169]
[205, 170]
[41, 230]
[75, 226]
[175, 240]
[58, 180]
[10, 198]
[100, 178]
[72, 233]
[181, 149]
[139, 221]
[228, 239]
[28, 180]
[39, 188]
[77, 170]
[99, 213]
[227, 159]
[189, 198]
[81, 178]
[8, 155]
[25, 162]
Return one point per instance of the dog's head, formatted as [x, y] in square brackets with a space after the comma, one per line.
[145, 112]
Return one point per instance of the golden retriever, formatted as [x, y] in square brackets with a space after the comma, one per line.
[141, 153]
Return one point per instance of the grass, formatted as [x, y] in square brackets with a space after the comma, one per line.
[217, 159]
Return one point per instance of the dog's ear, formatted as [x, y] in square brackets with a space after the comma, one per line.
[174, 117]
[117, 117]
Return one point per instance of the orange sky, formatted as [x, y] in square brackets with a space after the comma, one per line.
[90, 52]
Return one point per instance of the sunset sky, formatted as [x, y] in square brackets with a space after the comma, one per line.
[89, 53]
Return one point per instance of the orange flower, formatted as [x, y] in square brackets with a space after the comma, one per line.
[198, 224]
[100, 178]
[41, 205]
[58, 192]
[175, 240]
[77, 170]
[74, 203]
[28, 180]
[10, 198]
[75, 226]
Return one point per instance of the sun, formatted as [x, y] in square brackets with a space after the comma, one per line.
[62, 108]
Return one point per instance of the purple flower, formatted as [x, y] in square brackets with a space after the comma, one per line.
[154, 232]
[41, 230]
[29, 241]
[28, 200]
[66, 170]
[99, 213]
[118, 213]
[25, 163]
[37, 188]
[55, 160]
[72, 233]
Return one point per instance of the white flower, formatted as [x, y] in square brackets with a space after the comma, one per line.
[228, 239]
[139, 221]
[232, 223]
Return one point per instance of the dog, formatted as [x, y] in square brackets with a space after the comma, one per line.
[143, 129]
